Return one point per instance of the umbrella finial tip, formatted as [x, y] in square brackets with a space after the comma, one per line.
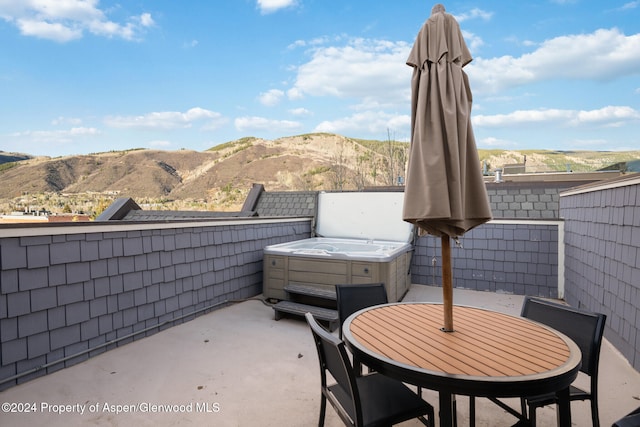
[437, 8]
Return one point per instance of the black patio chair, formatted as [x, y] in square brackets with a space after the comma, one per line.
[367, 400]
[586, 329]
[632, 419]
[351, 298]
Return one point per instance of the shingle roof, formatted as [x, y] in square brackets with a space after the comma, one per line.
[533, 200]
[142, 215]
[287, 203]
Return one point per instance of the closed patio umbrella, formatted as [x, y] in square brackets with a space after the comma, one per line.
[445, 194]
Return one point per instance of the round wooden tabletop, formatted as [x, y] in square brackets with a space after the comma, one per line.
[488, 354]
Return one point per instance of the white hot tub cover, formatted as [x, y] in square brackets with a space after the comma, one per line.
[363, 215]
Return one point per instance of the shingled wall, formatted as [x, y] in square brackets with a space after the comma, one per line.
[521, 200]
[603, 257]
[508, 256]
[70, 293]
[287, 203]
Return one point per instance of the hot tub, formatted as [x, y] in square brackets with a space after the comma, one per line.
[346, 249]
[363, 240]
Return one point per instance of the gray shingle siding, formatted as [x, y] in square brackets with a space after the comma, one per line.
[287, 203]
[514, 258]
[96, 287]
[531, 200]
[602, 250]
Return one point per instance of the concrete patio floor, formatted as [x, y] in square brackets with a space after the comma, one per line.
[237, 367]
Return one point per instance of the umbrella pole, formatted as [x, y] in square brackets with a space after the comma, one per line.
[447, 284]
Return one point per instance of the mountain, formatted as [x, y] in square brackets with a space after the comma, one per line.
[219, 178]
[13, 157]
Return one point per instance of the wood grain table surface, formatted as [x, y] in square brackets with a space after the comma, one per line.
[488, 354]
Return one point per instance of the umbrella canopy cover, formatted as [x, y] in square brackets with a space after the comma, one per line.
[445, 194]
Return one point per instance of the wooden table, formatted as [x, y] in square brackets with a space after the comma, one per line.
[489, 354]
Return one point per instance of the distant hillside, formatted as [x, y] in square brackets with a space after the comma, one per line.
[219, 178]
[12, 157]
[557, 161]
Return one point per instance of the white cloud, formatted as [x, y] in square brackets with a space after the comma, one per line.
[630, 5]
[296, 44]
[474, 13]
[362, 68]
[248, 124]
[146, 20]
[270, 6]
[520, 117]
[62, 120]
[65, 20]
[169, 120]
[271, 97]
[602, 55]
[80, 131]
[159, 144]
[608, 116]
[39, 142]
[45, 30]
[56, 136]
[473, 42]
[302, 112]
[494, 142]
[373, 75]
[190, 44]
[371, 122]
[374, 69]
[294, 94]
[318, 41]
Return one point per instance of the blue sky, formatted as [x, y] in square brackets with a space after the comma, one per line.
[85, 76]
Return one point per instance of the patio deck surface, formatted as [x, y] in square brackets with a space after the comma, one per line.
[237, 366]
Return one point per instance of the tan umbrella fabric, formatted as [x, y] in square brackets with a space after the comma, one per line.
[444, 193]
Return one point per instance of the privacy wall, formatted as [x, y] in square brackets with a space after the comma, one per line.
[603, 257]
[519, 257]
[69, 293]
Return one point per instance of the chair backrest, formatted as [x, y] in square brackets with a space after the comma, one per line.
[583, 327]
[334, 358]
[351, 298]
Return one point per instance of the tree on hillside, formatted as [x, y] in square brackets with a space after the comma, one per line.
[339, 169]
[395, 157]
[360, 173]
[103, 204]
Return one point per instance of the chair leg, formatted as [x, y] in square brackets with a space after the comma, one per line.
[431, 419]
[455, 411]
[595, 417]
[523, 407]
[532, 416]
[472, 411]
[323, 409]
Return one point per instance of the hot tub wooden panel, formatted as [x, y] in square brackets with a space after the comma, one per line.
[279, 270]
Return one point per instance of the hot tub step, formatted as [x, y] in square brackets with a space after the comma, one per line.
[311, 290]
[324, 314]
